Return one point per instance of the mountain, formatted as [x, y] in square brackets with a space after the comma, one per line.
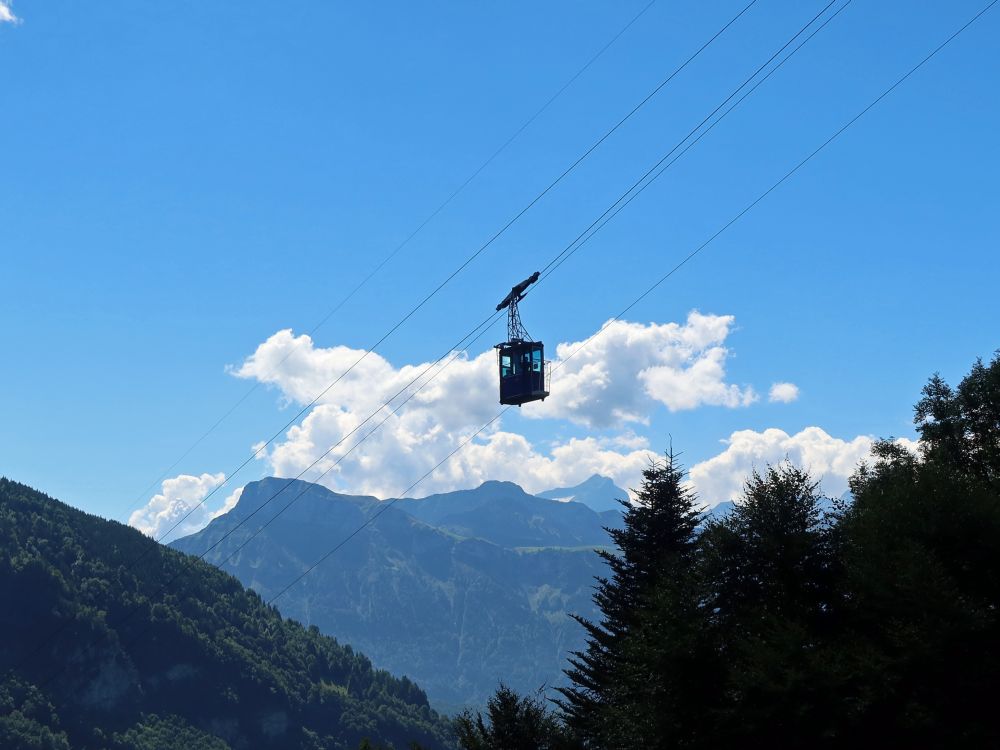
[109, 640]
[458, 607]
[825, 504]
[598, 493]
[503, 513]
[719, 511]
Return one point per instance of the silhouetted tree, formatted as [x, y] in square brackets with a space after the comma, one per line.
[961, 427]
[512, 722]
[654, 557]
[922, 558]
[770, 578]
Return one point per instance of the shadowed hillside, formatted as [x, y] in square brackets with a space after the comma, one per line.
[100, 651]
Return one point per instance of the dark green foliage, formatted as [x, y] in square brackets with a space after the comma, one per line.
[776, 626]
[650, 572]
[922, 556]
[960, 428]
[171, 733]
[877, 624]
[512, 722]
[27, 720]
[105, 652]
[768, 594]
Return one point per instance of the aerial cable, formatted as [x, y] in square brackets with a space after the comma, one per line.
[660, 167]
[317, 398]
[455, 353]
[493, 319]
[684, 261]
[371, 416]
[330, 468]
[551, 266]
[617, 205]
[475, 333]
[486, 322]
[387, 504]
[430, 217]
[262, 446]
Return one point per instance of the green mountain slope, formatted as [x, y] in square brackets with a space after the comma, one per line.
[99, 650]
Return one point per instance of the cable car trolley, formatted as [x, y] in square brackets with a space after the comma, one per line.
[524, 373]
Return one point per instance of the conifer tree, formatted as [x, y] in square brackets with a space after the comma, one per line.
[512, 722]
[656, 544]
[922, 560]
[961, 426]
[770, 589]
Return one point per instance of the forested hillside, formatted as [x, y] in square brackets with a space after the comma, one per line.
[108, 640]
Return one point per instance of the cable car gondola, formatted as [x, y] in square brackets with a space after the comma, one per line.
[524, 373]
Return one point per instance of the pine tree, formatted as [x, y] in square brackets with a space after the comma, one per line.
[610, 678]
[922, 556]
[512, 722]
[770, 589]
[961, 426]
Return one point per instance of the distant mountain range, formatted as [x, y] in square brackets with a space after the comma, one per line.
[503, 513]
[598, 493]
[456, 591]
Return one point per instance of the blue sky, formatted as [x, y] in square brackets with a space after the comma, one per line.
[179, 182]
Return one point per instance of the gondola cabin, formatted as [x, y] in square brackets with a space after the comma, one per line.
[523, 372]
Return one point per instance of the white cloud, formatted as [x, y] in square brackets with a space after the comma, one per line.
[229, 504]
[829, 460]
[6, 14]
[411, 444]
[783, 393]
[620, 377]
[628, 369]
[176, 498]
[463, 394]
[913, 446]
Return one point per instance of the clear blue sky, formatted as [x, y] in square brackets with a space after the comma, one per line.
[180, 180]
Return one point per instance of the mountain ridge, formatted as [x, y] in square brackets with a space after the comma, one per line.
[484, 596]
[503, 513]
[597, 492]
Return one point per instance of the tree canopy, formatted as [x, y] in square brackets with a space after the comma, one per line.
[118, 642]
[788, 624]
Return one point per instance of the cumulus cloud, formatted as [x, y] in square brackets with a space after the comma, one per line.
[462, 394]
[619, 378]
[783, 393]
[410, 444]
[228, 504]
[830, 460]
[618, 375]
[176, 498]
[626, 370]
[6, 14]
